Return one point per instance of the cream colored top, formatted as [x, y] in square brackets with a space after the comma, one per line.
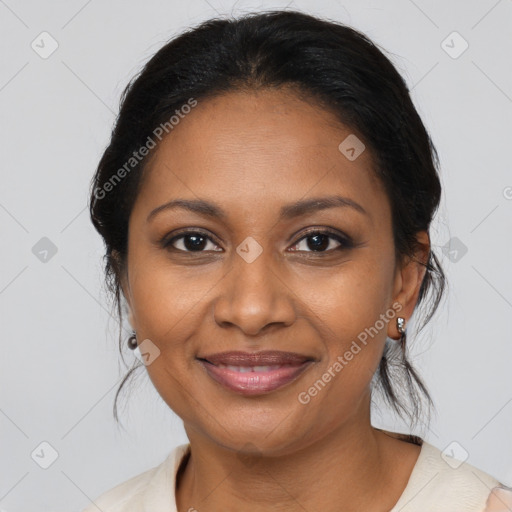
[434, 486]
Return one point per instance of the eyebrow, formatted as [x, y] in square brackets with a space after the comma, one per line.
[289, 211]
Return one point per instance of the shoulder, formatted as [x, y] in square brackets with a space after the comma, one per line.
[443, 483]
[154, 487]
[128, 493]
[499, 500]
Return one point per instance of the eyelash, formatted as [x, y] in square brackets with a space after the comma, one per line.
[344, 241]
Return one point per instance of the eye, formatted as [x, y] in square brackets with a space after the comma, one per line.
[191, 241]
[321, 241]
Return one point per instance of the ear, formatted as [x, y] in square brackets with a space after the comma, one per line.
[124, 284]
[407, 281]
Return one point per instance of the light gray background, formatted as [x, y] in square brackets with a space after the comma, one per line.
[59, 365]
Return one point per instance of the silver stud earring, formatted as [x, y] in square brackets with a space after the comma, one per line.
[400, 325]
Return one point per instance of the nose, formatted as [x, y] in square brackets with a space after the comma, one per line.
[254, 296]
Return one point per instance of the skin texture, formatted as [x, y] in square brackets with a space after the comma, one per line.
[252, 153]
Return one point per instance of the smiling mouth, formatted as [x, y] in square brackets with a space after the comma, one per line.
[256, 379]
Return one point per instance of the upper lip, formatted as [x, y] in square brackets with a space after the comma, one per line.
[263, 358]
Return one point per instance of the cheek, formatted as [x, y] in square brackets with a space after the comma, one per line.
[354, 297]
[351, 315]
[166, 299]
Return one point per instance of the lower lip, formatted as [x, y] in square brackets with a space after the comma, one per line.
[254, 383]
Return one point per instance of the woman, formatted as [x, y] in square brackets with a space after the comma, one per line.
[265, 202]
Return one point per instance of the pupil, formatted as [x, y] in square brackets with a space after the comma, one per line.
[198, 242]
[322, 242]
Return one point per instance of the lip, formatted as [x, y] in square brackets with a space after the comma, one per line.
[255, 382]
[262, 381]
[263, 358]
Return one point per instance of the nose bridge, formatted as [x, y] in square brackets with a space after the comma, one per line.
[253, 295]
[253, 274]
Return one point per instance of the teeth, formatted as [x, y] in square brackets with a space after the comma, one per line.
[245, 369]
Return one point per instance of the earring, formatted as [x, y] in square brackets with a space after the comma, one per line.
[400, 325]
[132, 341]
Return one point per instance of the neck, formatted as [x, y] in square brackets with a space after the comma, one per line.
[354, 467]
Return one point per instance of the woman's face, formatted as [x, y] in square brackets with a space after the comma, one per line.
[255, 278]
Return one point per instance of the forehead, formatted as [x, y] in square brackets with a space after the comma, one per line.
[261, 148]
